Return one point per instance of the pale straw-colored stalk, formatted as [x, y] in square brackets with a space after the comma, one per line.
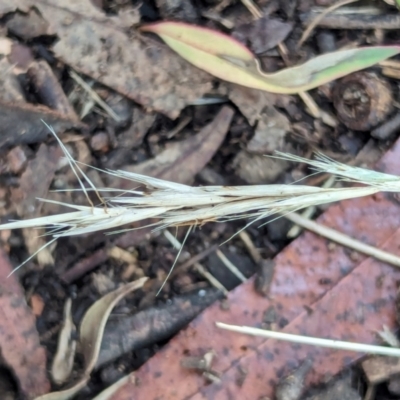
[313, 341]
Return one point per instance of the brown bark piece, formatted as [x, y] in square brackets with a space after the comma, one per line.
[19, 341]
[35, 181]
[138, 67]
[22, 123]
[181, 161]
[317, 290]
[49, 89]
[262, 34]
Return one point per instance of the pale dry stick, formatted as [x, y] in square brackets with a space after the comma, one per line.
[390, 63]
[320, 17]
[184, 267]
[310, 211]
[94, 96]
[87, 107]
[213, 281]
[344, 240]
[253, 8]
[87, 103]
[117, 253]
[371, 392]
[360, 10]
[214, 16]
[391, 69]
[172, 239]
[253, 251]
[314, 341]
[176, 258]
[228, 264]
[178, 128]
[199, 268]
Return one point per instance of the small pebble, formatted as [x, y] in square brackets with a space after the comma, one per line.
[100, 142]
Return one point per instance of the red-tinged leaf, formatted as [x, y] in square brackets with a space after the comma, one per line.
[227, 59]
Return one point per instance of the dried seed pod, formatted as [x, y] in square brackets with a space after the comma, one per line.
[362, 100]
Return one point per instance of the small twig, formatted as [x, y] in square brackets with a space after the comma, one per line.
[253, 251]
[253, 8]
[199, 268]
[344, 240]
[357, 20]
[194, 259]
[181, 125]
[319, 17]
[333, 344]
[371, 392]
[94, 96]
[228, 264]
[213, 281]
[315, 111]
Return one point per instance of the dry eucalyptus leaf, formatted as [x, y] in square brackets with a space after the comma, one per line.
[138, 67]
[64, 359]
[181, 161]
[94, 322]
[91, 334]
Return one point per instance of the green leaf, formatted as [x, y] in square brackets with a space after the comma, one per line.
[228, 59]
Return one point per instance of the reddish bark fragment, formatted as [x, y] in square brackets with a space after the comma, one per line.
[19, 341]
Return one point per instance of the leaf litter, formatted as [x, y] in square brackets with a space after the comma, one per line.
[258, 119]
[91, 334]
[193, 153]
[167, 198]
[20, 120]
[100, 47]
